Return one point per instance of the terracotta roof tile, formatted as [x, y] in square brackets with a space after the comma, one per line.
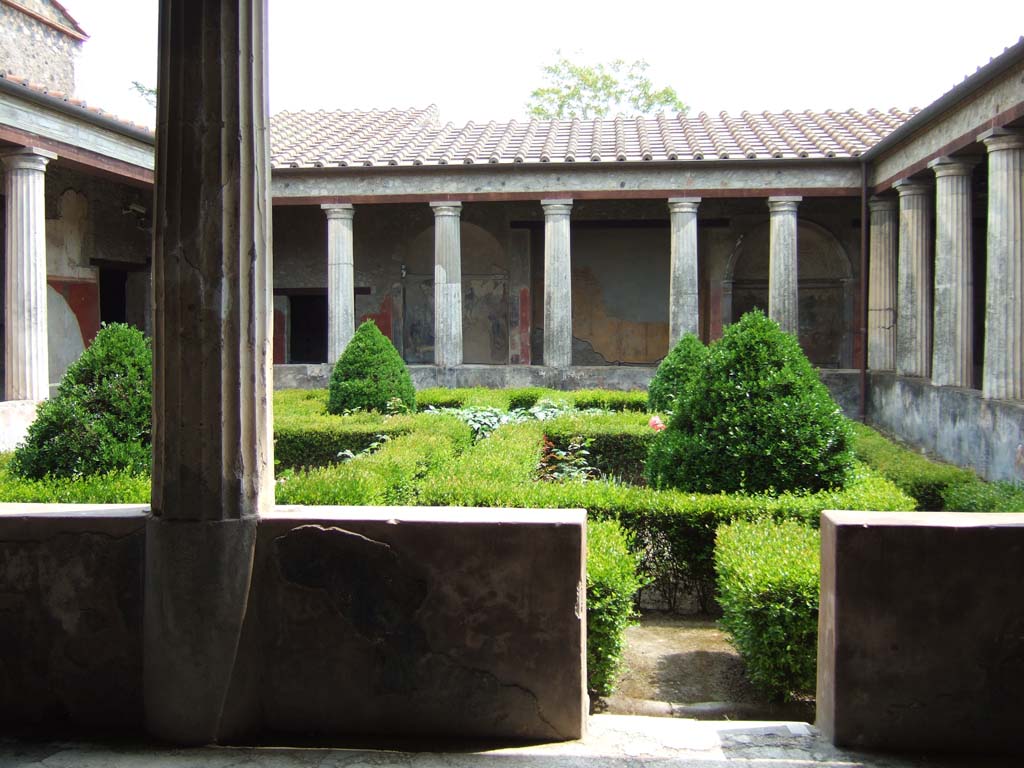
[67, 99]
[416, 137]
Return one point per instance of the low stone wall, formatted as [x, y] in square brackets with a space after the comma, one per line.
[15, 418]
[921, 631]
[957, 425]
[361, 621]
[842, 383]
[71, 617]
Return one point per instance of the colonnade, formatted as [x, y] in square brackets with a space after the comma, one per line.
[683, 280]
[921, 289]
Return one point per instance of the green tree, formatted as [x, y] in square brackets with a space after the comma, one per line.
[370, 375]
[589, 92]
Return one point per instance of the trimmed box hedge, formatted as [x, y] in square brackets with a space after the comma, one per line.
[922, 478]
[768, 587]
[618, 442]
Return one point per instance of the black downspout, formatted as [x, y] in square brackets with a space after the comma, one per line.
[865, 233]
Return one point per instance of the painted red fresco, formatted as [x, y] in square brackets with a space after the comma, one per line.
[280, 338]
[382, 317]
[83, 297]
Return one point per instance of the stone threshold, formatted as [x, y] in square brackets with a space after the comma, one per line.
[612, 741]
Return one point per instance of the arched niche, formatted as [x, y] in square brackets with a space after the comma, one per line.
[484, 297]
[825, 287]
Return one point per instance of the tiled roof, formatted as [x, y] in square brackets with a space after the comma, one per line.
[79, 103]
[416, 137]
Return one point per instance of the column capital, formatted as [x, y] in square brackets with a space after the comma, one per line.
[27, 158]
[557, 206]
[447, 208]
[952, 166]
[882, 204]
[683, 204]
[338, 210]
[996, 139]
[908, 188]
[784, 203]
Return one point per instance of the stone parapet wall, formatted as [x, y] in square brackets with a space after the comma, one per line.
[360, 621]
[919, 635]
[957, 425]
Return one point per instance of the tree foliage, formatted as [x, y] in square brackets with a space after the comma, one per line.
[590, 92]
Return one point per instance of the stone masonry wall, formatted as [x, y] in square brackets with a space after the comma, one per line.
[32, 49]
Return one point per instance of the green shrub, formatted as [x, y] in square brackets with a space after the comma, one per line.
[978, 496]
[924, 479]
[440, 397]
[370, 375]
[525, 397]
[612, 584]
[756, 418]
[610, 400]
[100, 419]
[676, 370]
[768, 576]
[117, 487]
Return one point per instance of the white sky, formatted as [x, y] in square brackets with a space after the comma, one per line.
[480, 59]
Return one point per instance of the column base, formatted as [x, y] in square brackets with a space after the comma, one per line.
[198, 575]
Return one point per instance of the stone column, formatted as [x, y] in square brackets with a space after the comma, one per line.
[26, 361]
[683, 302]
[882, 285]
[447, 284]
[557, 284]
[953, 323]
[212, 446]
[1003, 376]
[341, 287]
[914, 279]
[782, 269]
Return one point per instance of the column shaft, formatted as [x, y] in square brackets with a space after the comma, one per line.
[26, 351]
[783, 296]
[683, 303]
[341, 289]
[914, 312]
[1003, 376]
[447, 284]
[953, 325]
[882, 286]
[557, 284]
[212, 447]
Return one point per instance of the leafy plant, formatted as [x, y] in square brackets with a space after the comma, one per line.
[768, 576]
[370, 375]
[678, 368]
[756, 419]
[100, 419]
[569, 463]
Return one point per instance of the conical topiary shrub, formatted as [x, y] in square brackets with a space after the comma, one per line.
[666, 388]
[755, 418]
[100, 419]
[370, 374]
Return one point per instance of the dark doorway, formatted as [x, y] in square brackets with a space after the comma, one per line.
[307, 342]
[113, 296]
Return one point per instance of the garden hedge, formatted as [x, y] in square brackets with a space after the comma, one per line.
[370, 375]
[924, 479]
[768, 575]
[612, 584]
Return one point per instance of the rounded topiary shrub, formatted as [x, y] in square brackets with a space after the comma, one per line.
[756, 418]
[675, 371]
[100, 418]
[370, 375]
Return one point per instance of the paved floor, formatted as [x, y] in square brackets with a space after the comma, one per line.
[614, 741]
